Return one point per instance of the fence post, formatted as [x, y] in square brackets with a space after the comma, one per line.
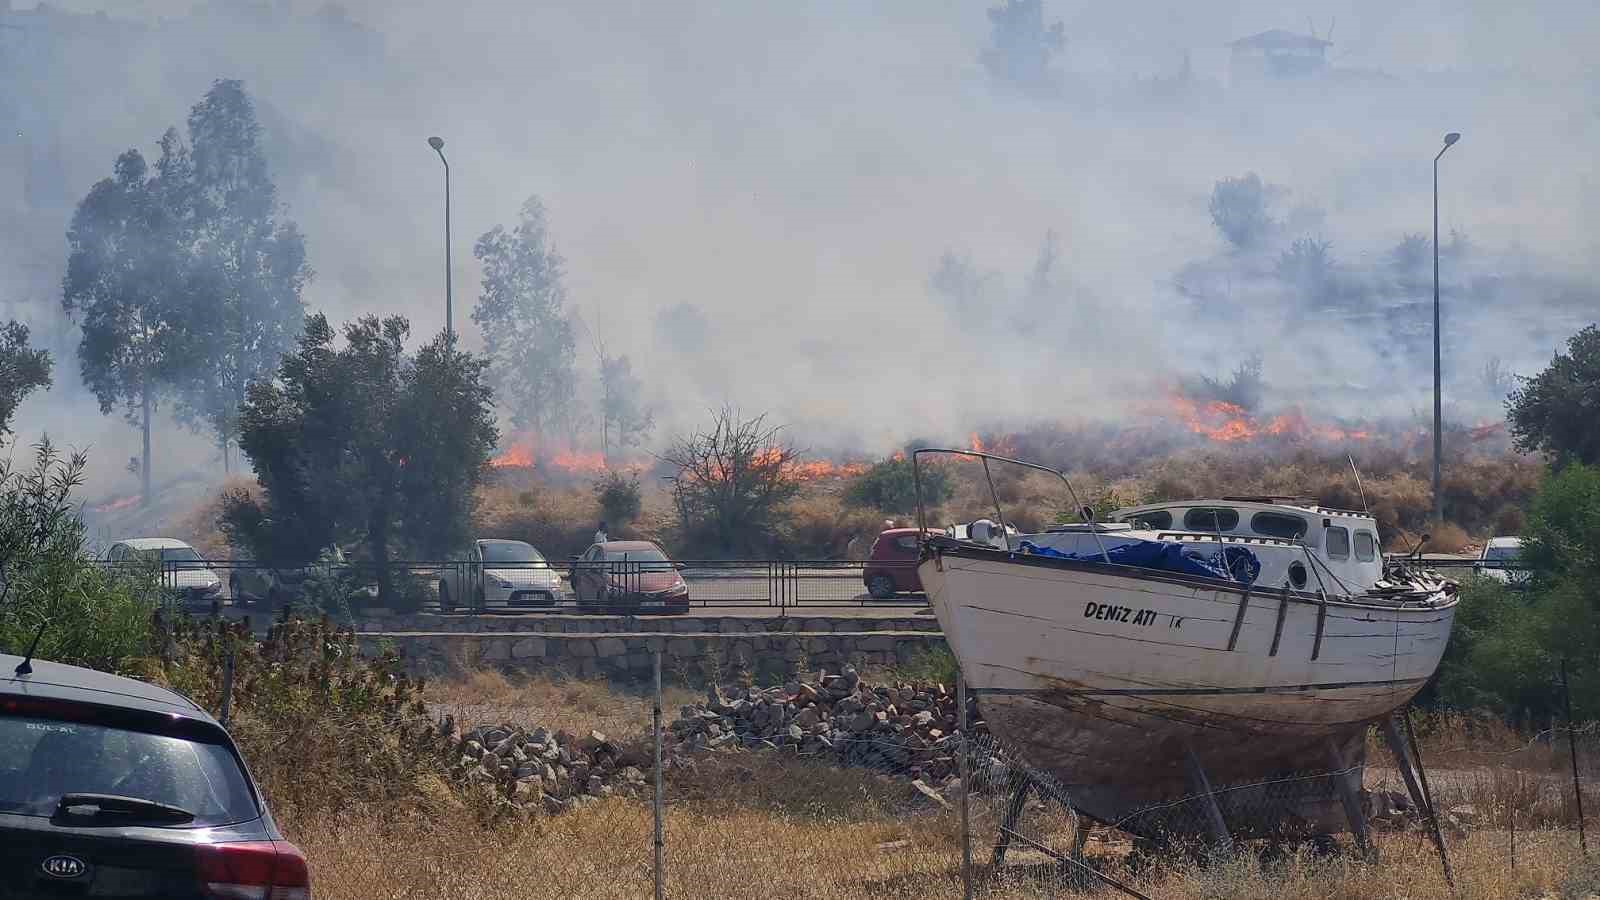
[660, 862]
[963, 750]
[1572, 746]
[227, 681]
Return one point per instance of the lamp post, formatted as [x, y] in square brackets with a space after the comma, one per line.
[437, 143]
[1438, 405]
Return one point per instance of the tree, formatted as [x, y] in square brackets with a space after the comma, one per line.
[364, 444]
[1023, 46]
[1239, 210]
[125, 285]
[890, 486]
[1309, 268]
[249, 267]
[729, 481]
[1557, 412]
[623, 411]
[618, 497]
[528, 335]
[23, 370]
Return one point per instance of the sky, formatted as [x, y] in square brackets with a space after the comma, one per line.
[789, 175]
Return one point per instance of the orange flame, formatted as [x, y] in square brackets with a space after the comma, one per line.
[1228, 423]
[114, 505]
[523, 452]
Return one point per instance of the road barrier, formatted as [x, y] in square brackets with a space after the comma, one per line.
[622, 586]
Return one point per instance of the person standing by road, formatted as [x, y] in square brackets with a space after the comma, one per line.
[600, 534]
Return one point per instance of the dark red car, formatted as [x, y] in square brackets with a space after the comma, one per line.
[628, 576]
[892, 565]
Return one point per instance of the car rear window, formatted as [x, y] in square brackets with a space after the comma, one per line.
[43, 758]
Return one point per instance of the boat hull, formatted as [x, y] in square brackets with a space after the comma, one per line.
[1113, 679]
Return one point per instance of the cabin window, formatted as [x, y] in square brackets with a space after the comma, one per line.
[1366, 546]
[1338, 542]
[1279, 525]
[1297, 574]
[1155, 520]
[1210, 519]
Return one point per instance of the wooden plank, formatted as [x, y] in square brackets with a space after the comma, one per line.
[1238, 620]
[1283, 610]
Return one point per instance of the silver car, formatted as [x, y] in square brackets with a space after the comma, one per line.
[500, 573]
[181, 569]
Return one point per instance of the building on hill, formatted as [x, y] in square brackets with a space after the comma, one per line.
[1277, 54]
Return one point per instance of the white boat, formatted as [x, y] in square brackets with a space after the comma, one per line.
[1137, 686]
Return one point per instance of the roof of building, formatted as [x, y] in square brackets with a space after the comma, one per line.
[1278, 39]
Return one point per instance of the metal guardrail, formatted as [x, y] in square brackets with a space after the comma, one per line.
[640, 587]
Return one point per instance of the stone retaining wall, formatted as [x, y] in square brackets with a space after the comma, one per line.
[687, 624]
[627, 655]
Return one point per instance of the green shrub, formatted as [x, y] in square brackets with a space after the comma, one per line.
[890, 486]
[327, 729]
[82, 613]
[618, 497]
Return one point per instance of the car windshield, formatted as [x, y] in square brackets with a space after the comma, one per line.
[510, 552]
[1502, 554]
[41, 759]
[649, 560]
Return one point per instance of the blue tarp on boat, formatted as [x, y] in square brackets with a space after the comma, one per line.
[1167, 556]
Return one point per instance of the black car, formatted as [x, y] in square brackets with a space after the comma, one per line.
[111, 787]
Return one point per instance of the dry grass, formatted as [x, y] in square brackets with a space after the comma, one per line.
[753, 825]
[489, 696]
[604, 851]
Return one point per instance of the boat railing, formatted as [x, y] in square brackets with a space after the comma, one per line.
[985, 458]
[1229, 538]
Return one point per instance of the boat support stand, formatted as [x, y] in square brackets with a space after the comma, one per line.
[1021, 784]
[1200, 785]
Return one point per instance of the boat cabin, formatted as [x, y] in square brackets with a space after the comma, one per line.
[1298, 543]
[1345, 541]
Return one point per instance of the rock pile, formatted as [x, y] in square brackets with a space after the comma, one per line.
[906, 729]
[538, 769]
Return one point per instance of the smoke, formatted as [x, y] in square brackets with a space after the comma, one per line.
[833, 213]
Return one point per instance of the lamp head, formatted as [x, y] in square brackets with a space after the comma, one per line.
[437, 143]
[1451, 138]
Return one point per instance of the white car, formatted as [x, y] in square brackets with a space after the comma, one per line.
[181, 569]
[1501, 560]
[498, 572]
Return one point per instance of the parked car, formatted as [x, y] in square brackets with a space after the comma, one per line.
[111, 787]
[892, 564]
[182, 570]
[1501, 560]
[277, 587]
[628, 576]
[496, 572]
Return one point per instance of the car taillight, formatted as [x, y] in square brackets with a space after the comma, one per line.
[255, 870]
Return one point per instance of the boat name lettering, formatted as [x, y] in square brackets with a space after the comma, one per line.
[1108, 612]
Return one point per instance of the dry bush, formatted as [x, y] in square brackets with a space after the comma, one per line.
[200, 525]
[559, 521]
[820, 525]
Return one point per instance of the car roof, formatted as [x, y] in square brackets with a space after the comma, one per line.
[503, 541]
[1505, 542]
[154, 543]
[56, 681]
[899, 531]
[625, 546]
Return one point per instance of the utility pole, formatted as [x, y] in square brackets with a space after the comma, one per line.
[437, 143]
[1438, 403]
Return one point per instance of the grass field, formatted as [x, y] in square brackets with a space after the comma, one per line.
[758, 826]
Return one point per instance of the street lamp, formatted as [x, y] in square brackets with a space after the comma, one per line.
[1438, 405]
[437, 143]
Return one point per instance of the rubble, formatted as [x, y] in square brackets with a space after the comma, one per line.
[907, 729]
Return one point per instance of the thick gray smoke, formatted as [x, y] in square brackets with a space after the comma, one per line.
[838, 214]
